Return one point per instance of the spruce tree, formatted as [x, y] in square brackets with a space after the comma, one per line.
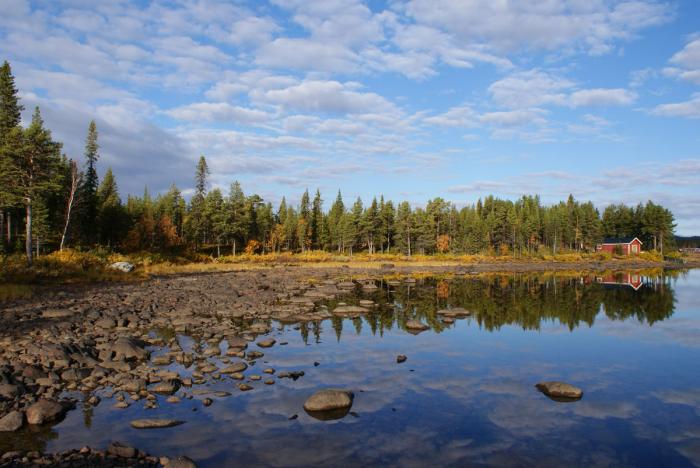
[10, 107]
[89, 203]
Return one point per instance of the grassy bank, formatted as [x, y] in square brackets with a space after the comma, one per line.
[72, 266]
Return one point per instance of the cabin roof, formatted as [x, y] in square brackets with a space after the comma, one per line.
[620, 240]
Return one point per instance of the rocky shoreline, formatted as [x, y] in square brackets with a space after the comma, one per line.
[112, 344]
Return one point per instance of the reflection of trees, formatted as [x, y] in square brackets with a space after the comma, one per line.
[525, 300]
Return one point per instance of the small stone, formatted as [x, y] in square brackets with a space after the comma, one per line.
[560, 391]
[207, 402]
[268, 343]
[244, 387]
[401, 358]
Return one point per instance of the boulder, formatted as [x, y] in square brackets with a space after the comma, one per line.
[329, 404]
[125, 267]
[44, 411]
[11, 421]
[127, 349]
[560, 391]
[155, 423]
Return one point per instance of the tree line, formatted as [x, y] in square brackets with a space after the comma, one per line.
[59, 202]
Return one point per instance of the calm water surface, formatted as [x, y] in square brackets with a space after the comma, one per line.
[466, 394]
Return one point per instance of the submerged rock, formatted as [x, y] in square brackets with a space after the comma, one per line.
[121, 450]
[180, 462]
[155, 423]
[560, 391]
[401, 358]
[329, 404]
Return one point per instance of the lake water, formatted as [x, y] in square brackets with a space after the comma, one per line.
[466, 394]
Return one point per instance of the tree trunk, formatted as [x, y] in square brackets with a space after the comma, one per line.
[9, 228]
[28, 241]
[2, 228]
[71, 198]
[234, 247]
[218, 248]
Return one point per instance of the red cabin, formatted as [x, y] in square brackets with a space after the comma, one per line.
[626, 245]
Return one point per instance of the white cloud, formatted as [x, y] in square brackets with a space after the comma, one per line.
[326, 97]
[556, 24]
[689, 109]
[219, 112]
[687, 63]
[602, 97]
[306, 54]
[530, 88]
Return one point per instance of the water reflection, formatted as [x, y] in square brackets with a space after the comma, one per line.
[466, 394]
[524, 300]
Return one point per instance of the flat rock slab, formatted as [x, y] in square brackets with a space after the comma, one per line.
[155, 423]
[560, 391]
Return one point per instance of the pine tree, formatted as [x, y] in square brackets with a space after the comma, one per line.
[34, 168]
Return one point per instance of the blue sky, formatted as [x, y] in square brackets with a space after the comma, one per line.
[410, 99]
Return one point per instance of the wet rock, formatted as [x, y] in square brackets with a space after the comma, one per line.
[44, 411]
[401, 358]
[10, 391]
[244, 387]
[234, 368]
[294, 375]
[155, 423]
[455, 312]
[127, 349]
[180, 462]
[207, 402]
[560, 391]
[11, 421]
[121, 450]
[329, 404]
[268, 343]
[124, 267]
[166, 388]
[350, 311]
[416, 326]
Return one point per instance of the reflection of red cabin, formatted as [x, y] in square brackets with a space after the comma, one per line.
[623, 279]
[628, 245]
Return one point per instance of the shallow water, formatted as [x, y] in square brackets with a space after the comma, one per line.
[466, 394]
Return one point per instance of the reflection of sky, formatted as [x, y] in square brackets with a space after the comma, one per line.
[465, 396]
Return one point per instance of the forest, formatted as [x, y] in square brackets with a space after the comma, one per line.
[50, 201]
